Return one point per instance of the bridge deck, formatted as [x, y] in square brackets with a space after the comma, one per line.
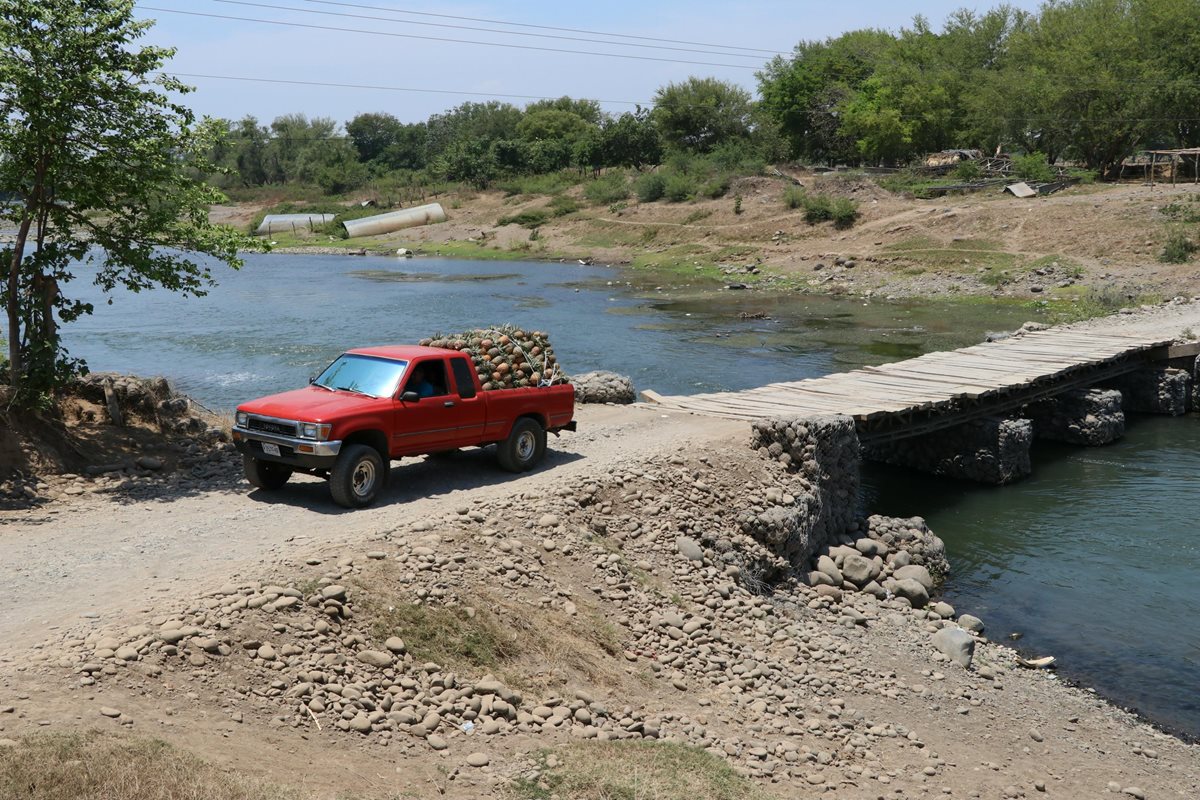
[941, 389]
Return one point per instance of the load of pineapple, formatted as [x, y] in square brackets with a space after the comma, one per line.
[507, 357]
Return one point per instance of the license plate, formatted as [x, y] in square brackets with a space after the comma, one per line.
[270, 449]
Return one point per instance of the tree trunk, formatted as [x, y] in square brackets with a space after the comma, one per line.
[14, 303]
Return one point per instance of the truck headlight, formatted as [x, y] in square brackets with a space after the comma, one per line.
[242, 418]
[313, 430]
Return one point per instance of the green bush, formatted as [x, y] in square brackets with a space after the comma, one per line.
[717, 187]
[1033, 167]
[650, 187]
[817, 208]
[679, 188]
[1178, 249]
[563, 205]
[843, 212]
[529, 219]
[608, 189]
[550, 183]
[968, 171]
[737, 158]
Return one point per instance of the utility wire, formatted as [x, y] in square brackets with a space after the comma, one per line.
[382, 88]
[642, 103]
[545, 27]
[346, 15]
[441, 39]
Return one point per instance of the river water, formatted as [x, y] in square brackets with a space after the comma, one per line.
[1091, 560]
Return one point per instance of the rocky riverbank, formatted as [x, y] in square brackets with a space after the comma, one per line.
[640, 598]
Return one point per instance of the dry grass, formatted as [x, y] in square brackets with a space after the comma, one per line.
[529, 647]
[636, 771]
[96, 766]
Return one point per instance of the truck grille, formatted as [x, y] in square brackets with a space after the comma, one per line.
[271, 426]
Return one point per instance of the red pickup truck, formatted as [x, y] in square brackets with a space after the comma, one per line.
[375, 404]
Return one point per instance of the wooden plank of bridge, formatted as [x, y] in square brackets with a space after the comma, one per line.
[956, 384]
[929, 382]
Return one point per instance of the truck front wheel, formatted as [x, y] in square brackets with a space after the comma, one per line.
[266, 475]
[358, 476]
[524, 447]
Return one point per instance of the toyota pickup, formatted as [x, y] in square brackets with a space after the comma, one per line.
[374, 405]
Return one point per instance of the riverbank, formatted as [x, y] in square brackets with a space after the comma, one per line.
[1082, 252]
[611, 596]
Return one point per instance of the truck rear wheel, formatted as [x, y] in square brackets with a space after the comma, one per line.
[358, 476]
[525, 446]
[266, 475]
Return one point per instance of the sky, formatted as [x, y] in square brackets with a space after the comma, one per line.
[379, 47]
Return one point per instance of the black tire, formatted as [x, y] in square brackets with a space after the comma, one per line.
[525, 446]
[358, 476]
[265, 475]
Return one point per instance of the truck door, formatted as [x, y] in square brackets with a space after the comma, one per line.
[470, 409]
[428, 424]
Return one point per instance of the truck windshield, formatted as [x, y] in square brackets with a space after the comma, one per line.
[375, 377]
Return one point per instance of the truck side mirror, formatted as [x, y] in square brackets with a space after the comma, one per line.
[410, 397]
[312, 379]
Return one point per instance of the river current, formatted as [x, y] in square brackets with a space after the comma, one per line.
[1092, 560]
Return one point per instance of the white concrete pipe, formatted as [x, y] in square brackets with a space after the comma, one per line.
[278, 223]
[395, 220]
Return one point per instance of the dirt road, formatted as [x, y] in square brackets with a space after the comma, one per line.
[97, 557]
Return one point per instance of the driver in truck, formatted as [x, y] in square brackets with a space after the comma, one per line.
[419, 383]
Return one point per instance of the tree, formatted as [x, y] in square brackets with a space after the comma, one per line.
[552, 124]
[98, 158]
[483, 122]
[808, 92]
[251, 144]
[587, 110]
[294, 138]
[701, 113]
[630, 140]
[372, 134]
[408, 151]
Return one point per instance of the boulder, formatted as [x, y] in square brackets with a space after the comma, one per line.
[375, 658]
[826, 565]
[870, 547]
[917, 573]
[971, 623]
[603, 387]
[689, 548]
[956, 644]
[912, 591]
[858, 570]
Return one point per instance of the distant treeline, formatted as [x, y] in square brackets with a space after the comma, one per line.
[1086, 80]
[477, 143]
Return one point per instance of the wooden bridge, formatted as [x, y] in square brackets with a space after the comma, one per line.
[944, 389]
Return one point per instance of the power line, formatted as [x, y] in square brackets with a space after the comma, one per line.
[642, 103]
[382, 88]
[441, 39]
[471, 28]
[546, 27]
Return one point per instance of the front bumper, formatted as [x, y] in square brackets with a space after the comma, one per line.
[293, 451]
